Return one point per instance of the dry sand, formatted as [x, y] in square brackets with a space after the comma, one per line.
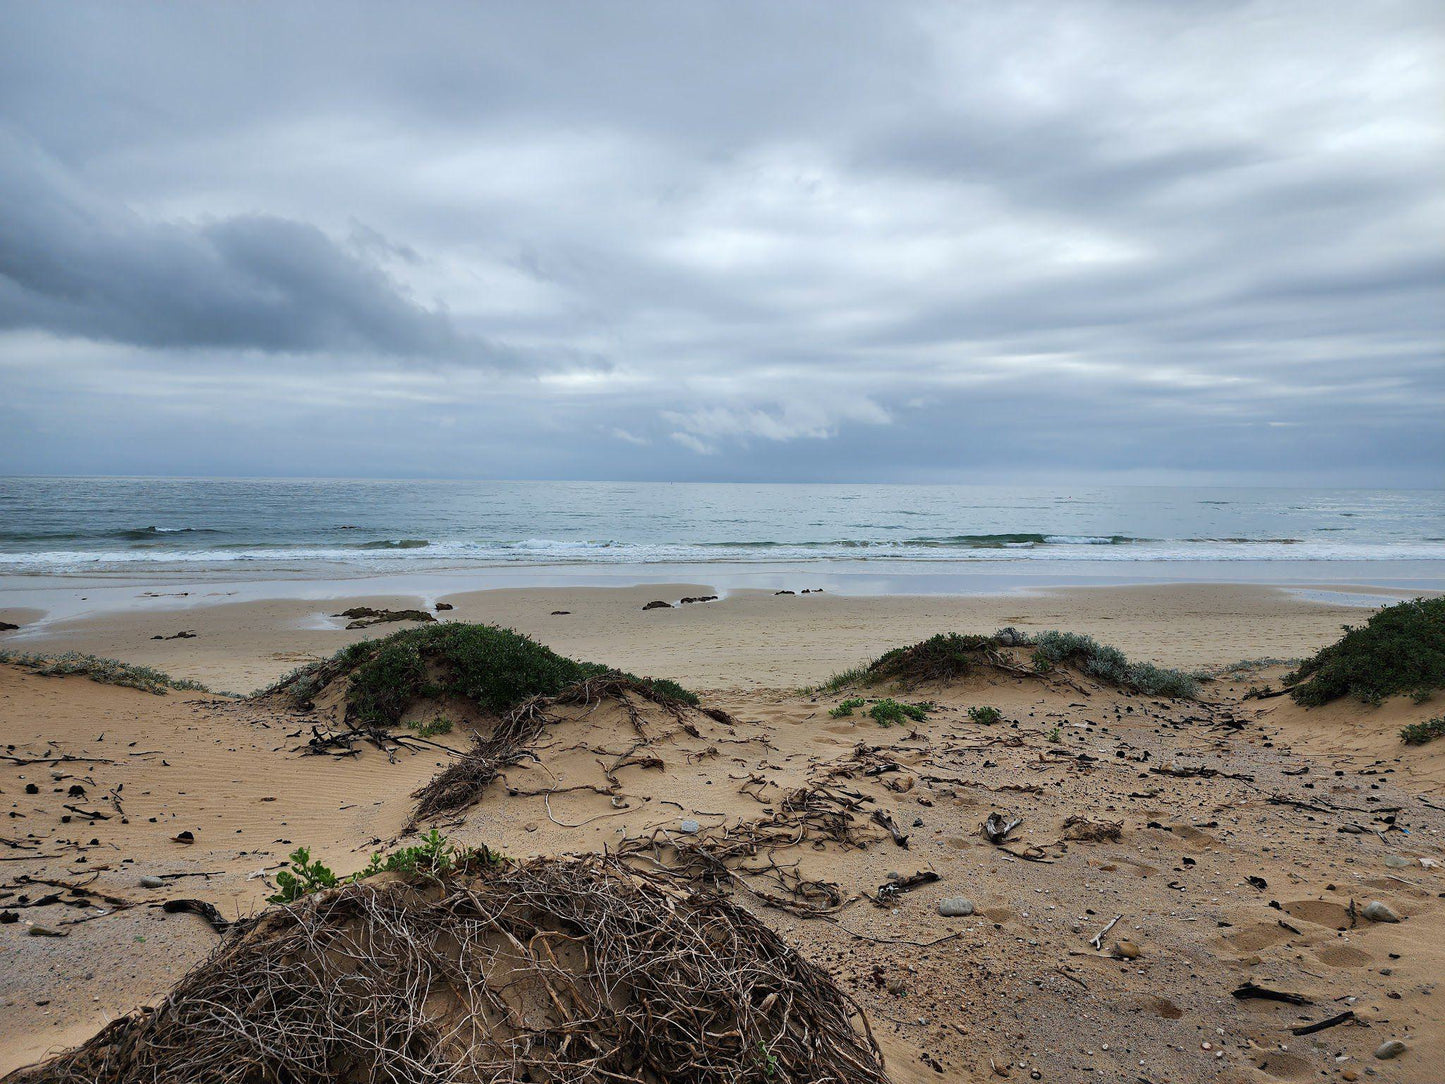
[750, 639]
[1323, 807]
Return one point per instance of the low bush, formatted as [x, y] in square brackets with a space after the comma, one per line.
[985, 716]
[493, 668]
[887, 712]
[1420, 733]
[847, 707]
[1400, 649]
[105, 671]
[1109, 665]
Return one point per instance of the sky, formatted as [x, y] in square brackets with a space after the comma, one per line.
[829, 241]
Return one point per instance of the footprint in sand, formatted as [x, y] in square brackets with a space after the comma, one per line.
[1320, 912]
[1343, 956]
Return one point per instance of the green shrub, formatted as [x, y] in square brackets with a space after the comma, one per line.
[985, 716]
[1109, 665]
[846, 707]
[1400, 649]
[1055, 735]
[888, 712]
[1420, 733]
[491, 667]
[104, 671]
[943, 657]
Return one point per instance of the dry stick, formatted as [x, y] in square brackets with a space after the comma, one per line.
[1098, 938]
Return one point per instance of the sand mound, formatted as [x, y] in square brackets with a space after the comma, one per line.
[572, 970]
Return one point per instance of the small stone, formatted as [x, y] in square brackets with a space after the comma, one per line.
[1391, 1049]
[955, 907]
[1394, 861]
[46, 931]
[1377, 911]
[1126, 950]
[1350, 1074]
[658, 604]
[690, 826]
[151, 881]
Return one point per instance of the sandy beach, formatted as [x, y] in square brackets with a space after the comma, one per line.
[746, 639]
[1240, 836]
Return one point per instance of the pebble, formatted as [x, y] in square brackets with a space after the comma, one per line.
[955, 907]
[150, 881]
[1391, 1049]
[1394, 861]
[1126, 950]
[690, 826]
[1377, 911]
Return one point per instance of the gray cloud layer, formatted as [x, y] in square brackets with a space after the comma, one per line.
[832, 240]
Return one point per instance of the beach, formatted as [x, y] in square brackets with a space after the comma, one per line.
[747, 639]
[205, 797]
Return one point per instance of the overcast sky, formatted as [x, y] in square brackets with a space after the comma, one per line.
[879, 241]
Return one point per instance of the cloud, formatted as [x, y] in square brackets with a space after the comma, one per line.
[77, 264]
[744, 239]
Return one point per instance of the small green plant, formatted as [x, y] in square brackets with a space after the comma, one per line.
[1420, 733]
[303, 878]
[433, 856]
[440, 724]
[1421, 696]
[1257, 692]
[847, 707]
[767, 1060]
[985, 716]
[1042, 663]
[1055, 735]
[887, 712]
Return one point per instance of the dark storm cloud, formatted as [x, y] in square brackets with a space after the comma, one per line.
[724, 239]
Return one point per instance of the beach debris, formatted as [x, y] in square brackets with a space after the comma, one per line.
[1264, 993]
[1395, 861]
[184, 635]
[690, 826]
[440, 606]
[1379, 911]
[785, 592]
[1391, 1048]
[207, 911]
[1098, 939]
[187, 837]
[560, 613]
[658, 604]
[997, 827]
[698, 598]
[692, 988]
[1328, 1022]
[365, 616]
[1125, 950]
[882, 819]
[46, 931]
[1258, 882]
[895, 886]
[152, 881]
[6, 626]
[1086, 831]
[955, 907]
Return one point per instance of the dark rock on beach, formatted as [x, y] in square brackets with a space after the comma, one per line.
[658, 605]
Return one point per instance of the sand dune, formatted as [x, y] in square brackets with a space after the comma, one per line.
[1246, 831]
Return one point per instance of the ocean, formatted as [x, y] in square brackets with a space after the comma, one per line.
[250, 528]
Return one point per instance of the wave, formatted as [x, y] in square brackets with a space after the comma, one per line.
[395, 544]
